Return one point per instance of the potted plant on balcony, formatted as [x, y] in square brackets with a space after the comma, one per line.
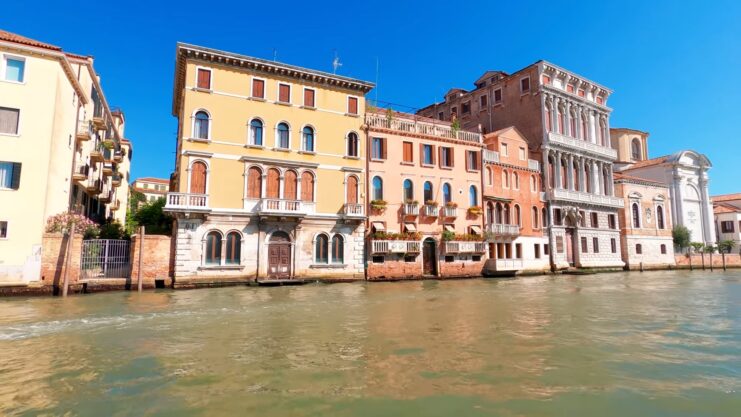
[431, 203]
[378, 205]
[410, 201]
[451, 204]
[447, 236]
[475, 211]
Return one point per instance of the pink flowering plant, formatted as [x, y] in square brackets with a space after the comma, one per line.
[62, 223]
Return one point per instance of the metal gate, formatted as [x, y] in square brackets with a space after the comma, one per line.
[105, 258]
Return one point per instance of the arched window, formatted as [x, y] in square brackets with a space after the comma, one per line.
[352, 144]
[256, 132]
[505, 214]
[564, 170]
[606, 182]
[307, 140]
[518, 215]
[408, 191]
[559, 115]
[321, 249]
[584, 127]
[307, 186]
[233, 248]
[575, 175]
[660, 216]
[489, 176]
[428, 192]
[533, 183]
[515, 181]
[213, 248]
[377, 188]
[351, 192]
[544, 216]
[290, 185]
[635, 147]
[551, 172]
[254, 183]
[473, 196]
[572, 124]
[505, 179]
[636, 216]
[198, 173]
[273, 183]
[447, 193]
[338, 249]
[548, 122]
[602, 133]
[283, 136]
[498, 214]
[201, 125]
[535, 217]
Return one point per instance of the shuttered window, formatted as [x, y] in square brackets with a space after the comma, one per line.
[258, 88]
[254, 183]
[273, 185]
[472, 161]
[9, 120]
[309, 97]
[446, 157]
[307, 186]
[204, 78]
[378, 148]
[408, 152]
[289, 185]
[10, 175]
[284, 93]
[352, 105]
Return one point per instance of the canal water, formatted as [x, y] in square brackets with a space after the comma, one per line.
[623, 344]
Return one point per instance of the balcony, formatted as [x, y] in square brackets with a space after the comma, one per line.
[186, 202]
[116, 179]
[430, 210]
[99, 122]
[464, 247]
[582, 145]
[117, 156]
[96, 155]
[107, 168]
[395, 246]
[282, 207]
[410, 125]
[85, 131]
[106, 196]
[353, 210]
[410, 209]
[491, 156]
[504, 229]
[586, 198]
[449, 212]
[115, 205]
[94, 186]
[81, 172]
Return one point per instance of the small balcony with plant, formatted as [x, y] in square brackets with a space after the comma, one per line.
[430, 208]
[81, 172]
[449, 210]
[410, 208]
[475, 211]
[85, 131]
[96, 154]
[378, 206]
[462, 243]
[385, 242]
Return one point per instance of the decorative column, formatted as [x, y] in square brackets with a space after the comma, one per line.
[567, 120]
[592, 126]
[570, 172]
[596, 170]
[557, 170]
[708, 229]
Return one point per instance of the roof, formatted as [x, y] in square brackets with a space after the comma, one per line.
[12, 37]
[618, 176]
[725, 197]
[152, 179]
[647, 163]
[627, 129]
[725, 208]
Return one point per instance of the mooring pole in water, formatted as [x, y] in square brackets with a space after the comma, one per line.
[68, 249]
[141, 252]
[641, 266]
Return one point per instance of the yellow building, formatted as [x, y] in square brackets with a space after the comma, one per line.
[61, 148]
[270, 169]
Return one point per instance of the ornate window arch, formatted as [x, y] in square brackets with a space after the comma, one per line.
[321, 248]
[212, 247]
[636, 215]
[338, 249]
[308, 185]
[535, 217]
[518, 215]
[660, 217]
[233, 248]
[198, 177]
[254, 182]
[290, 185]
[353, 145]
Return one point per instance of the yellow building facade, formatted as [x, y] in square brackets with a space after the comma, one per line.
[60, 148]
[270, 170]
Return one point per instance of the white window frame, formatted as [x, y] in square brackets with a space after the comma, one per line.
[347, 142]
[250, 141]
[204, 248]
[210, 78]
[303, 149]
[4, 67]
[208, 171]
[329, 249]
[264, 88]
[521, 153]
[290, 93]
[193, 125]
[504, 149]
[304, 98]
[277, 138]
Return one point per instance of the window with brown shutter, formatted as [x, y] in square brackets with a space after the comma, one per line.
[307, 186]
[408, 152]
[352, 105]
[289, 185]
[254, 183]
[284, 93]
[309, 97]
[204, 78]
[258, 88]
[273, 184]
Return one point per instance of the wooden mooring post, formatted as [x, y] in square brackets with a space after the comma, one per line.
[141, 258]
[67, 250]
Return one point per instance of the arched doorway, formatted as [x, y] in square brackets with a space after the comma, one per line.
[279, 256]
[429, 257]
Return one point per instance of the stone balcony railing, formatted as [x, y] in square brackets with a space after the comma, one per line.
[353, 210]
[491, 156]
[410, 209]
[504, 229]
[582, 145]
[449, 212]
[186, 201]
[587, 198]
[508, 264]
[382, 121]
[533, 164]
[464, 247]
[395, 246]
[278, 206]
[430, 211]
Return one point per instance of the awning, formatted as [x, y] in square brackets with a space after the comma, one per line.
[411, 227]
[379, 226]
[449, 228]
[476, 230]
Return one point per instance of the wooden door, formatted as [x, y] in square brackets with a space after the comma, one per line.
[428, 258]
[198, 178]
[279, 260]
[570, 246]
[492, 250]
[352, 190]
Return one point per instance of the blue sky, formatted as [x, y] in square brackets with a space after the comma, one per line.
[673, 66]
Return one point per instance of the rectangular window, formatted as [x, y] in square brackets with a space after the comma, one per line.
[546, 79]
[518, 250]
[582, 218]
[453, 111]
[204, 78]
[483, 101]
[15, 69]
[557, 217]
[476, 258]
[600, 100]
[522, 154]
[378, 148]
[352, 105]
[537, 251]
[309, 97]
[504, 150]
[570, 88]
[559, 244]
[546, 249]
[611, 221]
[594, 220]
[466, 107]
[284, 93]
[258, 88]
[726, 226]
[410, 258]
[428, 155]
[9, 120]
[581, 93]
[408, 152]
[595, 244]
[525, 85]
[10, 175]
[472, 161]
[378, 259]
[449, 258]
[584, 248]
[446, 157]
[441, 116]
[613, 245]
[3, 230]
[663, 249]
[497, 96]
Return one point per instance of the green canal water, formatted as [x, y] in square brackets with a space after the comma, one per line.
[638, 344]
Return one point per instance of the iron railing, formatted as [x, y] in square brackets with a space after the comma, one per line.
[105, 258]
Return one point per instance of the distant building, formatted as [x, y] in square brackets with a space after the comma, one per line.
[62, 148]
[727, 212]
[152, 188]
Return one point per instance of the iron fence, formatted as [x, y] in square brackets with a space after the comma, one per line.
[105, 258]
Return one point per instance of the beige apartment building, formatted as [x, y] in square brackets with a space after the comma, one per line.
[62, 148]
[152, 188]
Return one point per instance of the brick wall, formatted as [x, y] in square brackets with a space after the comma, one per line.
[156, 260]
[53, 247]
[462, 268]
[732, 260]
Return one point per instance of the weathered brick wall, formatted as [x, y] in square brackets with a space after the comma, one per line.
[732, 259]
[156, 258]
[459, 268]
[53, 251]
[393, 269]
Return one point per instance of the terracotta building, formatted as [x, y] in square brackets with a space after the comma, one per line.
[565, 119]
[424, 193]
[514, 209]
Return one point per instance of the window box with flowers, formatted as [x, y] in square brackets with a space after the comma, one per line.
[475, 211]
[378, 205]
[430, 208]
